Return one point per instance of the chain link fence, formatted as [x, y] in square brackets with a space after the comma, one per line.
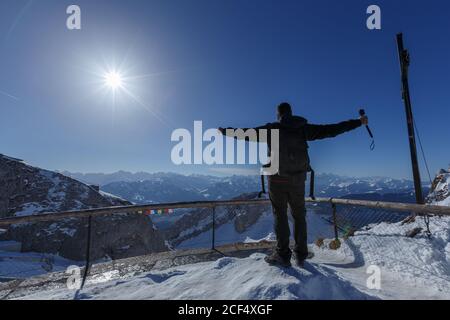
[398, 241]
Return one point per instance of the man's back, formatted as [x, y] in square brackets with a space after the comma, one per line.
[293, 148]
[295, 132]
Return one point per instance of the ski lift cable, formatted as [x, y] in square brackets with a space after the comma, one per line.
[423, 152]
[426, 218]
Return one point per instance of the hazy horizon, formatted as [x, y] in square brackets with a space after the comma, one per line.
[227, 171]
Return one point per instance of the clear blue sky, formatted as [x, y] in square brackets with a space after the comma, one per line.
[228, 63]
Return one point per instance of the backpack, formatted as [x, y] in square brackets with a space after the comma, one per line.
[293, 150]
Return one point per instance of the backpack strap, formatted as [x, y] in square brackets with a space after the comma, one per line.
[311, 183]
[263, 187]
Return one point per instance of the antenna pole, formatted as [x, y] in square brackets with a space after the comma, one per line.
[404, 64]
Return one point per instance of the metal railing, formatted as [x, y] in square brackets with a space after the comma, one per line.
[52, 216]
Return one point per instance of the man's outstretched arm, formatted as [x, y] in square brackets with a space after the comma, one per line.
[231, 132]
[317, 131]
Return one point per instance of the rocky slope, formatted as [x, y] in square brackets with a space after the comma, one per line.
[440, 193]
[27, 190]
[197, 221]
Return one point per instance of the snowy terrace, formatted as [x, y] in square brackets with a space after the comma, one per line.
[408, 243]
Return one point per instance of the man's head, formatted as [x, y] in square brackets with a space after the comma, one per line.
[284, 109]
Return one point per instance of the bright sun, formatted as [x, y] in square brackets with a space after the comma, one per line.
[113, 80]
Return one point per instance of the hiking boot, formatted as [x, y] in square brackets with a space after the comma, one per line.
[300, 258]
[276, 259]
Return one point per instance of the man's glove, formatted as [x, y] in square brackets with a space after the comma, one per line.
[364, 120]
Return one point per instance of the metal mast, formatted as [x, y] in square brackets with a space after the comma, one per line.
[404, 64]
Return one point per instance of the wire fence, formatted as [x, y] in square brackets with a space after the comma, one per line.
[110, 234]
[399, 241]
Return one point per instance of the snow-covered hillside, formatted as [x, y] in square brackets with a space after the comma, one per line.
[28, 190]
[410, 268]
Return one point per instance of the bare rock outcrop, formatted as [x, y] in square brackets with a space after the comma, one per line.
[440, 190]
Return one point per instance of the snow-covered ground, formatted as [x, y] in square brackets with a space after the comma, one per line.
[226, 278]
[20, 265]
[410, 268]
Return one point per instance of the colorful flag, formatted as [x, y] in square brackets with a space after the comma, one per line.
[149, 212]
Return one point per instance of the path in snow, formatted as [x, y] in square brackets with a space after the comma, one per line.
[226, 278]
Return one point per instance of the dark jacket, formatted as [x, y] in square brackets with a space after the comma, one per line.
[294, 133]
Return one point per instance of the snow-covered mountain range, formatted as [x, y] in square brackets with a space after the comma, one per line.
[170, 187]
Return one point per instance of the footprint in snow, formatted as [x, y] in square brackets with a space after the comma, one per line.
[223, 262]
[158, 278]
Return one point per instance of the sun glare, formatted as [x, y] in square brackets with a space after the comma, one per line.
[113, 80]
